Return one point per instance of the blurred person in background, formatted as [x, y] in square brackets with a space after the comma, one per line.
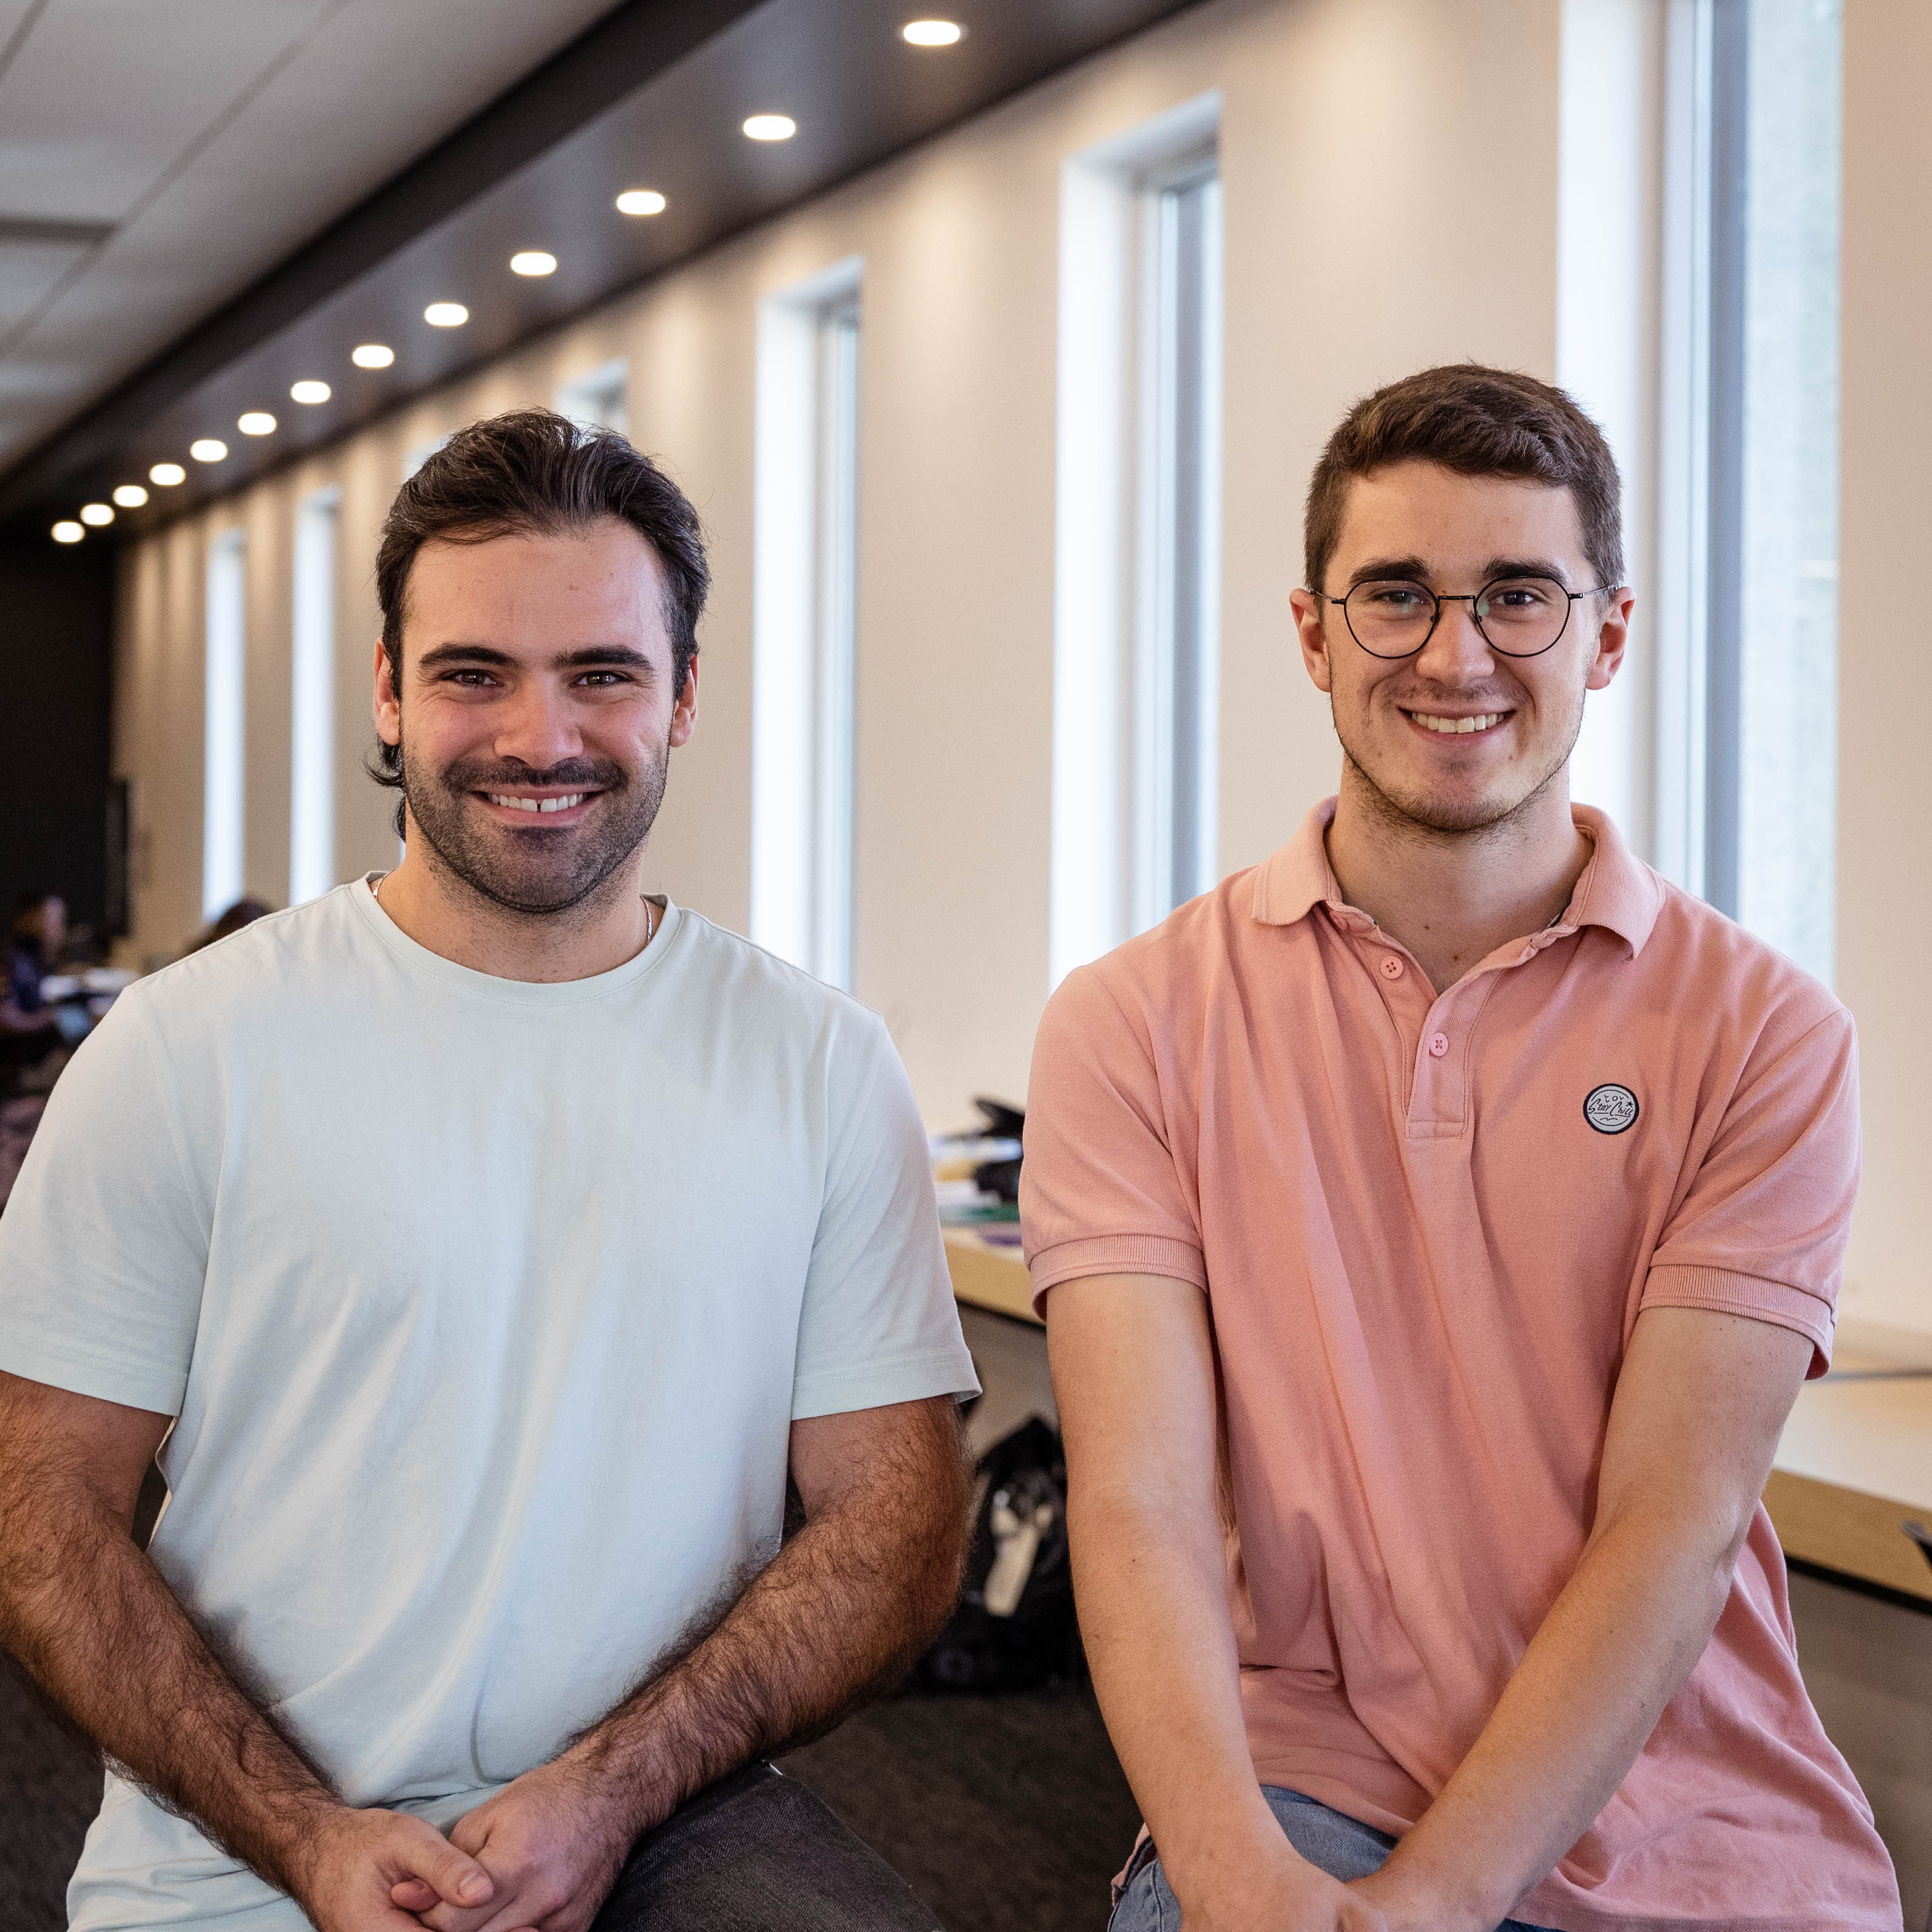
[243, 912]
[39, 930]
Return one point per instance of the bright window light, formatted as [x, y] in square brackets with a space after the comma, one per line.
[803, 655]
[67, 531]
[310, 392]
[933, 33]
[372, 355]
[208, 449]
[533, 262]
[167, 475]
[224, 714]
[640, 201]
[130, 496]
[771, 127]
[256, 422]
[446, 315]
[96, 514]
[312, 721]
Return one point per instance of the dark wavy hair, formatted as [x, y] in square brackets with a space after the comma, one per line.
[533, 472]
[1477, 422]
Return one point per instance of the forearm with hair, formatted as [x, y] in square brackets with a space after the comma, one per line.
[844, 1609]
[90, 1618]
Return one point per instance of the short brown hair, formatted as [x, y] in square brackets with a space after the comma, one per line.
[1477, 422]
[532, 472]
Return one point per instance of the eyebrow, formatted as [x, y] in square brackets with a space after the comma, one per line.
[587, 657]
[1413, 570]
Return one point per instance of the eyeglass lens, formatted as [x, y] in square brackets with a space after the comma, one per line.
[1518, 616]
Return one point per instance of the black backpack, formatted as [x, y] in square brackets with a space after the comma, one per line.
[1014, 1624]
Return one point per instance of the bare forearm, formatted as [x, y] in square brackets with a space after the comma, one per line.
[1616, 1648]
[840, 1612]
[1154, 1613]
[90, 1617]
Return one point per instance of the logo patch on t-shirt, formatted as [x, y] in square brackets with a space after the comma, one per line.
[1610, 1108]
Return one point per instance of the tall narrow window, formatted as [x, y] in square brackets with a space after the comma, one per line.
[598, 399]
[1137, 577]
[1179, 600]
[1750, 720]
[805, 622]
[312, 732]
[222, 751]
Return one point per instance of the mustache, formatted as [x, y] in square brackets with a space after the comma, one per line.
[499, 774]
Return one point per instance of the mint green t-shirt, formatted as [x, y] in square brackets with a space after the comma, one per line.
[484, 1308]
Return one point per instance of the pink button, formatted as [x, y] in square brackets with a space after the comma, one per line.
[1439, 1045]
[1391, 966]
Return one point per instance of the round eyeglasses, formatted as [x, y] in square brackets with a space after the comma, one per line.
[1520, 616]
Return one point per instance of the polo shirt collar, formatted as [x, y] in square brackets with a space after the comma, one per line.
[1616, 890]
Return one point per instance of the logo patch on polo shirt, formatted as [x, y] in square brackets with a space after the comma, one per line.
[1610, 1108]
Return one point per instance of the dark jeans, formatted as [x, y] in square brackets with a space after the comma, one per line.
[757, 1852]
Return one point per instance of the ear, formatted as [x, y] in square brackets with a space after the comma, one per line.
[1612, 639]
[1313, 636]
[684, 713]
[386, 706]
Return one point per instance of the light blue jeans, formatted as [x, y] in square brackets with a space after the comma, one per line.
[1331, 1842]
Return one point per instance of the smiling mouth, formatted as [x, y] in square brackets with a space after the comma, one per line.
[1479, 720]
[562, 801]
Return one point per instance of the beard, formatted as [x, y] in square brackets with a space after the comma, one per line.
[1404, 805]
[543, 870]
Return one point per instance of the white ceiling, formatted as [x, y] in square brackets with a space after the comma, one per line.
[215, 135]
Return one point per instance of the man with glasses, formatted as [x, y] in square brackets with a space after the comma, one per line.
[1434, 1225]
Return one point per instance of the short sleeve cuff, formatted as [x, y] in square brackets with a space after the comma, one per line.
[1779, 1303]
[80, 1371]
[876, 1384]
[1115, 1254]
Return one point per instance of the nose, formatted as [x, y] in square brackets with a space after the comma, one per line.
[1457, 652]
[538, 728]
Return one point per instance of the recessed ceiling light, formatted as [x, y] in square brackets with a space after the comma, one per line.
[372, 355]
[256, 422]
[67, 531]
[96, 514]
[640, 201]
[771, 127]
[446, 315]
[533, 262]
[933, 33]
[209, 449]
[167, 475]
[308, 391]
[130, 496]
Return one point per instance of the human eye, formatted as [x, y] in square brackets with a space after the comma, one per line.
[1523, 594]
[1396, 599]
[469, 677]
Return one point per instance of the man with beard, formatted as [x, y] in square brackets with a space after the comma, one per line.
[490, 1245]
[1434, 1225]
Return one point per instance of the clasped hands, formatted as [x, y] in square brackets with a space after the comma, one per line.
[540, 1855]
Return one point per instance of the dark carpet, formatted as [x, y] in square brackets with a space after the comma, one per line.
[1006, 1813]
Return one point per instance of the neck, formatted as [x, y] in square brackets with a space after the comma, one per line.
[446, 915]
[1452, 898]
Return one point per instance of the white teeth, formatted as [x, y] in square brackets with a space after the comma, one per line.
[1480, 722]
[563, 804]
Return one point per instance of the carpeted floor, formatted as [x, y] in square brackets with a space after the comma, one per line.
[1007, 1814]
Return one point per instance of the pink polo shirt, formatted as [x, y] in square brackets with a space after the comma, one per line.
[1425, 1225]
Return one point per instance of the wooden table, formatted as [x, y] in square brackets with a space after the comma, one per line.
[989, 1275]
[1855, 1463]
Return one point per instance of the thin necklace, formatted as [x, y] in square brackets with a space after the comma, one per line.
[649, 905]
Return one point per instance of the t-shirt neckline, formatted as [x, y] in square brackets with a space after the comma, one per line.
[515, 992]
